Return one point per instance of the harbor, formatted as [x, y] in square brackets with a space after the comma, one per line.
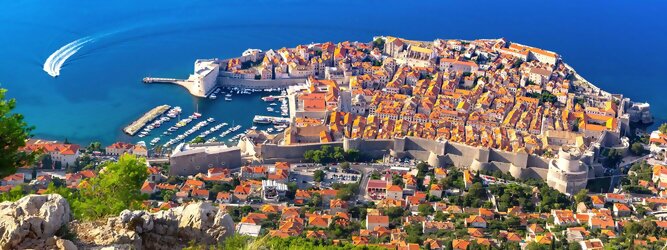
[264, 110]
[135, 126]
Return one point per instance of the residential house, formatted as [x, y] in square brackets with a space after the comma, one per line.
[475, 221]
[223, 197]
[592, 244]
[13, 180]
[621, 210]
[119, 148]
[148, 188]
[64, 154]
[373, 221]
[394, 192]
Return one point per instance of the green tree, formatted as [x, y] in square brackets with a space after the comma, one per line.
[14, 194]
[168, 195]
[378, 43]
[345, 166]
[94, 146]
[46, 160]
[422, 168]
[113, 190]
[353, 155]
[663, 128]
[425, 209]
[613, 157]
[582, 196]
[197, 140]
[318, 175]
[637, 149]
[13, 134]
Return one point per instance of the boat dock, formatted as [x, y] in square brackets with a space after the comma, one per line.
[135, 126]
[161, 80]
[271, 119]
[277, 96]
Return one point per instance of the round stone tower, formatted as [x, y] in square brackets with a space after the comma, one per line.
[567, 174]
[433, 160]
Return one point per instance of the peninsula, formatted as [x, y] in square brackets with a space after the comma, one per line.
[487, 104]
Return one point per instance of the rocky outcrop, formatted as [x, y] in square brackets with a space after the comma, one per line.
[169, 229]
[32, 221]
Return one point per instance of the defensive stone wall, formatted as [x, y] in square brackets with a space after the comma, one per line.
[436, 153]
[259, 84]
[272, 151]
[538, 162]
[199, 161]
[374, 148]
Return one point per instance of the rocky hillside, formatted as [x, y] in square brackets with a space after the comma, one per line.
[37, 221]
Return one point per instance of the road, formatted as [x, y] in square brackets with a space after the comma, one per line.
[625, 163]
[365, 171]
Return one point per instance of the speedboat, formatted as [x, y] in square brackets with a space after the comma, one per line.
[213, 96]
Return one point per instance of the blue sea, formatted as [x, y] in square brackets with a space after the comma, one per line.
[618, 45]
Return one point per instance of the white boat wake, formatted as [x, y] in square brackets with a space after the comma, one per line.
[55, 62]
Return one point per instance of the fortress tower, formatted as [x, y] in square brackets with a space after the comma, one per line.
[567, 174]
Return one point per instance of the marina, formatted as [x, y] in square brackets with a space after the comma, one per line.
[170, 127]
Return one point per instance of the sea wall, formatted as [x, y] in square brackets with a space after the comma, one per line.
[259, 84]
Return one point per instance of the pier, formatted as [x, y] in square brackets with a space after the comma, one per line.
[161, 80]
[135, 126]
[271, 119]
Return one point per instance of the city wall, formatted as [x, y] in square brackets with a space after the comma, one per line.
[436, 153]
[199, 160]
[259, 84]
[291, 153]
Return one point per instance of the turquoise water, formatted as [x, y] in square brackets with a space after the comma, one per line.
[617, 45]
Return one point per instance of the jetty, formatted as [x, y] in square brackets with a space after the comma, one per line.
[161, 80]
[271, 119]
[135, 126]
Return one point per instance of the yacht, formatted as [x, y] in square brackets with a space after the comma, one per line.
[228, 99]
[263, 120]
[213, 96]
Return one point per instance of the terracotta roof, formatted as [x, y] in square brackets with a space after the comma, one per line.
[382, 219]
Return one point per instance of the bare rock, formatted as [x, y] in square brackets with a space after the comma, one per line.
[32, 219]
[168, 229]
